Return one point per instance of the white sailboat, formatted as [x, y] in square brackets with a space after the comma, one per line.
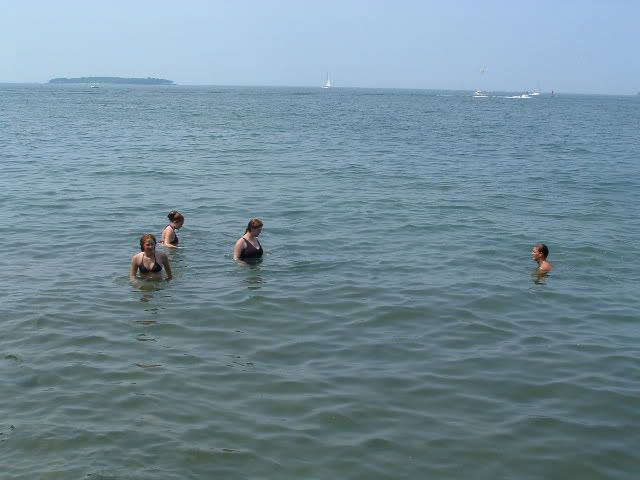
[479, 93]
[327, 84]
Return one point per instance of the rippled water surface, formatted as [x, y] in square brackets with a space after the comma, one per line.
[393, 330]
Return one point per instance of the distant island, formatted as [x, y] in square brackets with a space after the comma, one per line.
[120, 80]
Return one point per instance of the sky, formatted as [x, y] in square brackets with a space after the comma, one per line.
[572, 46]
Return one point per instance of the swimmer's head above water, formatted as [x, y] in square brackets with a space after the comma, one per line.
[147, 238]
[176, 218]
[254, 226]
[539, 254]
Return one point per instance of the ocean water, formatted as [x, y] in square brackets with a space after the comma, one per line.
[393, 330]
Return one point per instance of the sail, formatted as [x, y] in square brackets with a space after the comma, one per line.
[327, 84]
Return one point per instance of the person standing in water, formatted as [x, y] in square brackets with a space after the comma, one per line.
[539, 254]
[149, 262]
[169, 237]
[248, 246]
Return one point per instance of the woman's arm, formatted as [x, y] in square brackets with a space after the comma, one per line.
[167, 266]
[134, 268]
[237, 250]
[167, 235]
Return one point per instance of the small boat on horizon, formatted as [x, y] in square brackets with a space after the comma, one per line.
[327, 84]
[480, 94]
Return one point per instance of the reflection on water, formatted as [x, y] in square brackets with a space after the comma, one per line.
[147, 291]
[254, 273]
[539, 278]
[148, 365]
[173, 254]
[143, 337]
[148, 285]
[146, 297]
[254, 282]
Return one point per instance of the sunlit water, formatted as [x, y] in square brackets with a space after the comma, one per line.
[393, 330]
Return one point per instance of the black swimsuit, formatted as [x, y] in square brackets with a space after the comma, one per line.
[175, 240]
[250, 251]
[155, 269]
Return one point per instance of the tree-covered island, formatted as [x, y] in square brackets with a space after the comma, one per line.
[119, 80]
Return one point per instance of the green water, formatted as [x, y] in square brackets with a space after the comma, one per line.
[393, 330]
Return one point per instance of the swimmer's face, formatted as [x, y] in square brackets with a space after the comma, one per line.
[179, 224]
[256, 231]
[149, 245]
[536, 254]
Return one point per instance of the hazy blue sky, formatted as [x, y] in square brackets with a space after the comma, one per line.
[568, 46]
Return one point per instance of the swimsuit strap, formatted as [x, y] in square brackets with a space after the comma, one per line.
[141, 264]
[247, 243]
[153, 264]
[175, 240]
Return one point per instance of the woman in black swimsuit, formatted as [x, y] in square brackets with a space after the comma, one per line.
[149, 262]
[248, 245]
[169, 237]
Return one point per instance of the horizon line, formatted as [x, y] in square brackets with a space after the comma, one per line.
[176, 84]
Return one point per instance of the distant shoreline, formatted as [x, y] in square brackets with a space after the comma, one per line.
[117, 80]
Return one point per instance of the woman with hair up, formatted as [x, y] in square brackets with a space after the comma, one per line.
[149, 262]
[169, 237]
[248, 246]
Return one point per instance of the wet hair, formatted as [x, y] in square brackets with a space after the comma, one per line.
[253, 224]
[175, 216]
[144, 238]
[542, 248]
